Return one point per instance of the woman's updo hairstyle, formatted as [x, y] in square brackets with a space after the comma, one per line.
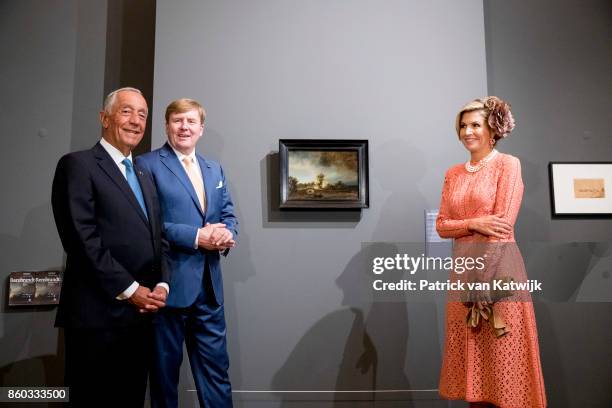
[496, 112]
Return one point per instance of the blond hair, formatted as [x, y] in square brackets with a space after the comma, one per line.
[183, 105]
[496, 112]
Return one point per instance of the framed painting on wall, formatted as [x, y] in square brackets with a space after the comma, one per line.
[581, 189]
[323, 174]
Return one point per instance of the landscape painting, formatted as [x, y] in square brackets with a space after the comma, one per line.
[323, 175]
[326, 174]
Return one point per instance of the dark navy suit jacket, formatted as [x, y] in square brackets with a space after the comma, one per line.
[182, 216]
[109, 242]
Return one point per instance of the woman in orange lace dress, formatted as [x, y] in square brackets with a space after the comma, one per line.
[480, 203]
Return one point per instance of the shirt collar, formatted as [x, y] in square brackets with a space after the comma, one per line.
[114, 153]
[191, 156]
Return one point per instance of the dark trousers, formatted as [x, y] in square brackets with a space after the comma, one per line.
[108, 367]
[201, 327]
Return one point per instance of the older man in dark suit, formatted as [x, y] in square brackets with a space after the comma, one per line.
[107, 216]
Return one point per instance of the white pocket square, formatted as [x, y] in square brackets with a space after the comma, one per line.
[220, 184]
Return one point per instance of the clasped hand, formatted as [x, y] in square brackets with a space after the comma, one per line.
[149, 301]
[215, 237]
[491, 225]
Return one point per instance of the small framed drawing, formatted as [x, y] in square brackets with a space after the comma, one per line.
[323, 174]
[581, 189]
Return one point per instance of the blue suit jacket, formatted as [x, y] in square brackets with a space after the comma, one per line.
[182, 216]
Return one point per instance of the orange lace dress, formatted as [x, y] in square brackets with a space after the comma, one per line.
[477, 365]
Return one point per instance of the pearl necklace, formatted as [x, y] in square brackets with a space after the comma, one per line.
[482, 163]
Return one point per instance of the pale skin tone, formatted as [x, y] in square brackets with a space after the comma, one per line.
[123, 127]
[476, 137]
[184, 129]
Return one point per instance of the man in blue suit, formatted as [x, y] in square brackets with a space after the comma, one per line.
[199, 224]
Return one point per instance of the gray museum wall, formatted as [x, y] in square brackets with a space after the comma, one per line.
[552, 60]
[52, 78]
[57, 66]
[392, 72]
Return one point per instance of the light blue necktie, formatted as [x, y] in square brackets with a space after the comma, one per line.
[134, 185]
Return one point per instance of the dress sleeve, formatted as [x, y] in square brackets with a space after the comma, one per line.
[446, 226]
[499, 252]
[509, 191]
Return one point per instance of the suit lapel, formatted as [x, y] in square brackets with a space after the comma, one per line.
[112, 171]
[209, 181]
[169, 159]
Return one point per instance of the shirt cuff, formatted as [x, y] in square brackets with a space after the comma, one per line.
[195, 244]
[126, 294]
[165, 286]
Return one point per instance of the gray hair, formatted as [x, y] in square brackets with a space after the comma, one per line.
[109, 101]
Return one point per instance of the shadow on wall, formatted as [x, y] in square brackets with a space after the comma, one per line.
[365, 346]
[563, 269]
[550, 354]
[237, 269]
[566, 329]
[30, 330]
[37, 371]
[358, 348]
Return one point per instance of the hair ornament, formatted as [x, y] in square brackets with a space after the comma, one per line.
[500, 118]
